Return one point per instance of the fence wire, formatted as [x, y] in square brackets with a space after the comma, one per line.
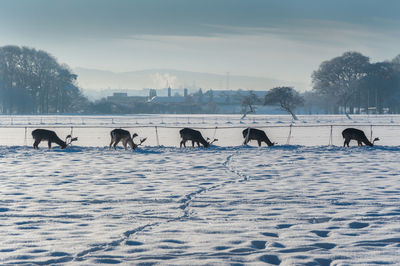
[231, 135]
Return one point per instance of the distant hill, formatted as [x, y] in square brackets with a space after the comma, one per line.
[92, 80]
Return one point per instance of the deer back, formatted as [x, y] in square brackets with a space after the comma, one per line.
[256, 134]
[124, 135]
[49, 135]
[193, 135]
[120, 133]
[356, 134]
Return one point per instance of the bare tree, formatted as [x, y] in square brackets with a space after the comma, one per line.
[247, 102]
[286, 97]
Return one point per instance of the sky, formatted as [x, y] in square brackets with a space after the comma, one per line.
[284, 40]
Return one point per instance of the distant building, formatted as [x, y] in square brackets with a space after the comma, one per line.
[119, 95]
[223, 101]
[123, 98]
[176, 99]
[152, 93]
[171, 99]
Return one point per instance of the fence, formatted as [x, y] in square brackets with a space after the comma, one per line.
[200, 119]
[231, 135]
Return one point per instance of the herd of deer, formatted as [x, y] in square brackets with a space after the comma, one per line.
[118, 135]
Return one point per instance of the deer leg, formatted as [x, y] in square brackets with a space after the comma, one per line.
[259, 143]
[183, 142]
[359, 143]
[49, 143]
[116, 143]
[124, 143]
[36, 144]
[111, 143]
[346, 142]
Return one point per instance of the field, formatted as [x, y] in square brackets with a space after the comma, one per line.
[305, 202]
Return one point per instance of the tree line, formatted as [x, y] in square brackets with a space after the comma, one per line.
[33, 82]
[350, 83]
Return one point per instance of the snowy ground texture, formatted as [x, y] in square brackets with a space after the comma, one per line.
[287, 204]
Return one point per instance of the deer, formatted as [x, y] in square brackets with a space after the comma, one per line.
[51, 136]
[195, 136]
[120, 134]
[358, 135]
[256, 134]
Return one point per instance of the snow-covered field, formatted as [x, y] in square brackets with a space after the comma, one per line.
[304, 203]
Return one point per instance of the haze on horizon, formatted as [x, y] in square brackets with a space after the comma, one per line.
[278, 40]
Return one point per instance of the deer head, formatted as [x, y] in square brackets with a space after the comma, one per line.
[69, 139]
[209, 143]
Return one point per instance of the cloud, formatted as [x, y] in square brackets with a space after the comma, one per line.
[119, 19]
[279, 39]
[161, 81]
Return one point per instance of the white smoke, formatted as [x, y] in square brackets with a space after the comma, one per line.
[161, 81]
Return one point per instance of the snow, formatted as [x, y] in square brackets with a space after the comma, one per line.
[303, 203]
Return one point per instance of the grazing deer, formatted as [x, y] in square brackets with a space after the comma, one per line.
[120, 134]
[44, 134]
[195, 136]
[256, 134]
[356, 134]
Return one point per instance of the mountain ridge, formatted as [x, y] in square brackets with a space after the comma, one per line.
[161, 78]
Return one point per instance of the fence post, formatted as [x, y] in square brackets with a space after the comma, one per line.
[371, 133]
[215, 132]
[247, 136]
[330, 137]
[290, 134]
[158, 141]
[72, 129]
[25, 140]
